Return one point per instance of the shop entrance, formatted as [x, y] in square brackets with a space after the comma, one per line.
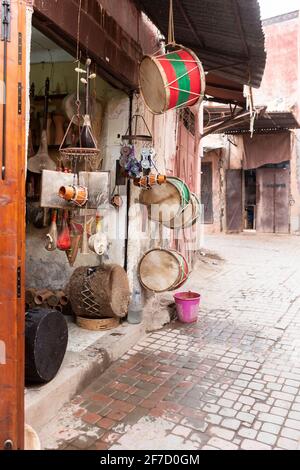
[265, 192]
[272, 214]
[250, 200]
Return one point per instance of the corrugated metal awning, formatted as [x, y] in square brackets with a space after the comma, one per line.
[269, 122]
[221, 120]
[226, 35]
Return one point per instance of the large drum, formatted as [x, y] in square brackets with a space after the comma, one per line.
[188, 216]
[167, 201]
[171, 81]
[46, 339]
[100, 291]
[163, 270]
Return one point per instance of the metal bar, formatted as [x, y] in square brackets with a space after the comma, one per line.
[128, 191]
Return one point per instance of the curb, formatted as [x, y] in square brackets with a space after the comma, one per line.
[78, 370]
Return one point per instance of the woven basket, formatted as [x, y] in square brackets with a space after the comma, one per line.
[97, 324]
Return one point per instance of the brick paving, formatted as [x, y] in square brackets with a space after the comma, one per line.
[230, 381]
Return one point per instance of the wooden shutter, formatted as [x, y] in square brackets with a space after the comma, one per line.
[206, 192]
[234, 204]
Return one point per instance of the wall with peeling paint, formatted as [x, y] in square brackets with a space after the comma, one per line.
[51, 269]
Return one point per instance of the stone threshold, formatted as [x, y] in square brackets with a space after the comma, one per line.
[89, 354]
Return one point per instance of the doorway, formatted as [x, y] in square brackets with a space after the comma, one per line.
[250, 200]
[207, 191]
[234, 201]
[273, 187]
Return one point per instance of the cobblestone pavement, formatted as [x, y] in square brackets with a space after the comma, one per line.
[230, 381]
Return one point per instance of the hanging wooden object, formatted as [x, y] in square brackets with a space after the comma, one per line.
[87, 139]
[51, 237]
[58, 120]
[98, 242]
[75, 235]
[41, 160]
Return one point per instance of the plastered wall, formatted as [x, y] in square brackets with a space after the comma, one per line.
[51, 269]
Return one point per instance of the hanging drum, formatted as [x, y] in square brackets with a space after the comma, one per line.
[46, 339]
[188, 216]
[163, 270]
[167, 201]
[173, 80]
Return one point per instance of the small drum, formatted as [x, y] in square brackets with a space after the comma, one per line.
[76, 194]
[174, 80]
[146, 182]
[188, 216]
[167, 201]
[163, 270]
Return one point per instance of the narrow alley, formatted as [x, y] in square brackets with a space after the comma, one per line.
[230, 381]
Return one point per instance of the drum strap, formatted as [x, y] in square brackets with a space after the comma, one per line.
[171, 33]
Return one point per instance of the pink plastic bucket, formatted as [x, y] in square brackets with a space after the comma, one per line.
[187, 306]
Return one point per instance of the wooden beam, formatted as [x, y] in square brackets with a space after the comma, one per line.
[107, 44]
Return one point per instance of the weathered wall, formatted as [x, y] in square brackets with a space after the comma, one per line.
[295, 183]
[144, 234]
[280, 89]
[229, 157]
[280, 84]
[51, 269]
[135, 23]
[217, 160]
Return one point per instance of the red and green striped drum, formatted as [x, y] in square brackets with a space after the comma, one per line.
[173, 80]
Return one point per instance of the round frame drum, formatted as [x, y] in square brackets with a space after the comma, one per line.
[173, 80]
[167, 201]
[188, 216]
[162, 270]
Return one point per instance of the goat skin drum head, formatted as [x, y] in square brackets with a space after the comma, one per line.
[159, 270]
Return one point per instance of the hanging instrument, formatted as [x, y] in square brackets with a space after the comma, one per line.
[41, 161]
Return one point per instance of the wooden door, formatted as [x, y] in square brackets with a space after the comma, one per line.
[234, 203]
[282, 207]
[265, 210]
[206, 192]
[12, 226]
[272, 214]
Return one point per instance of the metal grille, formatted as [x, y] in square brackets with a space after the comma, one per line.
[188, 119]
